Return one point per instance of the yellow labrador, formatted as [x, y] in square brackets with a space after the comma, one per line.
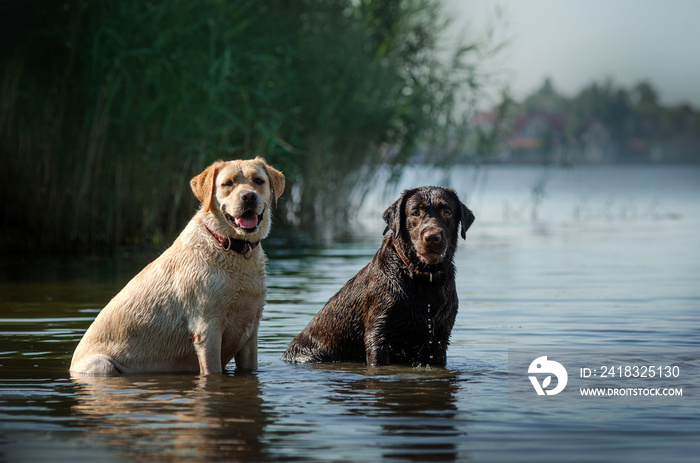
[199, 304]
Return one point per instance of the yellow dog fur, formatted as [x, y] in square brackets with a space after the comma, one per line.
[198, 305]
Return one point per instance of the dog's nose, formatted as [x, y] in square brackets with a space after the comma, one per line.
[249, 197]
[433, 239]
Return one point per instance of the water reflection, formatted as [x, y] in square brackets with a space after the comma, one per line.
[400, 412]
[173, 417]
[421, 410]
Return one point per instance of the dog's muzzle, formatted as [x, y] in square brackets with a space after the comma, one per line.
[433, 246]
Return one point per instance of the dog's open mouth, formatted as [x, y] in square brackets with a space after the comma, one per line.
[248, 221]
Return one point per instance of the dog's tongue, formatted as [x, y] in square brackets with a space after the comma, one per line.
[247, 220]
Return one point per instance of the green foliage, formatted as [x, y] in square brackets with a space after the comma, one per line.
[109, 107]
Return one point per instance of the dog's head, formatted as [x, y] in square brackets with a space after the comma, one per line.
[239, 195]
[429, 219]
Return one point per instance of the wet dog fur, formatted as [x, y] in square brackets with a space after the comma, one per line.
[199, 304]
[401, 307]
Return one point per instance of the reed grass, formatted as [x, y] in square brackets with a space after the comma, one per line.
[109, 107]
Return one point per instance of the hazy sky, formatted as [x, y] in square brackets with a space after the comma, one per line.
[576, 42]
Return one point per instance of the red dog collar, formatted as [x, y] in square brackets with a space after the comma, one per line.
[233, 244]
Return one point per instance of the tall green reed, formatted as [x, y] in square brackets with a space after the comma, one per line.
[109, 107]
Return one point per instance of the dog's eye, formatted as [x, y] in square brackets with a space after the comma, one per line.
[447, 213]
[415, 212]
[259, 181]
[228, 183]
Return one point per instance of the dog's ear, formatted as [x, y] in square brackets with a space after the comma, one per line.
[203, 185]
[395, 215]
[276, 180]
[389, 217]
[467, 219]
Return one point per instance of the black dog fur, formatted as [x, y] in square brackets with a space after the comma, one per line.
[401, 307]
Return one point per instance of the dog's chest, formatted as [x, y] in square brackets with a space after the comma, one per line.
[419, 326]
[426, 316]
[245, 296]
[245, 301]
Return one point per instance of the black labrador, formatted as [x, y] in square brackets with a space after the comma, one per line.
[401, 307]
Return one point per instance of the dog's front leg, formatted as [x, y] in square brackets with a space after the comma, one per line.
[376, 350]
[247, 357]
[376, 357]
[207, 345]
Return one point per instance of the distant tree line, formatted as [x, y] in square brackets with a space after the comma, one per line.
[617, 124]
[109, 107]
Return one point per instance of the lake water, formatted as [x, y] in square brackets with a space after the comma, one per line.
[587, 264]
